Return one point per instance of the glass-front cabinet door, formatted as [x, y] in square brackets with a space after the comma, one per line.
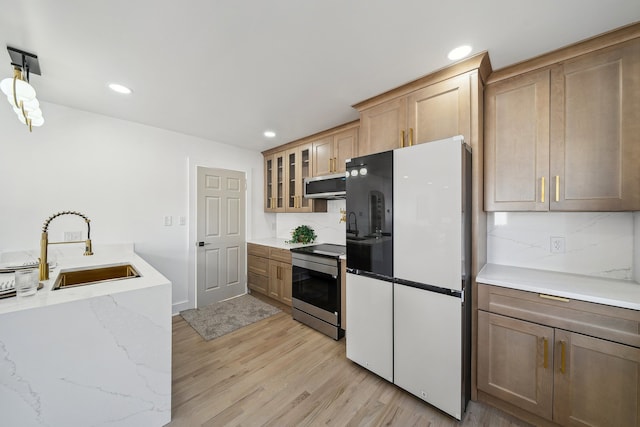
[275, 185]
[269, 191]
[299, 168]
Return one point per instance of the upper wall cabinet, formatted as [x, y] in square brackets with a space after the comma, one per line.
[565, 137]
[331, 152]
[438, 110]
[285, 172]
[274, 182]
[286, 167]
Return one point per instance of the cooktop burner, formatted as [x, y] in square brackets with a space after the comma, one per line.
[324, 249]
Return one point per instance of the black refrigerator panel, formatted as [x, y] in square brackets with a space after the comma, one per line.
[370, 214]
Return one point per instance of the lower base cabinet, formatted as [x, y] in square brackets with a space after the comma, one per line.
[269, 271]
[553, 373]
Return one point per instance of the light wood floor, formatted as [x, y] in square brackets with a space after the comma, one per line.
[279, 372]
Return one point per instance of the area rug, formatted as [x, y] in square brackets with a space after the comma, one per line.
[218, 319]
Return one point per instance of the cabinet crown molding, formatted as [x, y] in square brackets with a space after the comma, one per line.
[480, 62]
[311, 138]
[601, 41]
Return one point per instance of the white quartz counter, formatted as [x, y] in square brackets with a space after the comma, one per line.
[103, 256]
[96, 355]
[618, 293]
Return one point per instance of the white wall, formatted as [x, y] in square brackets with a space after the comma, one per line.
[596, 243]
[327, 225]
[124, 176]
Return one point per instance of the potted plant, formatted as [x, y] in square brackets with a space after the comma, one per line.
[302, 234]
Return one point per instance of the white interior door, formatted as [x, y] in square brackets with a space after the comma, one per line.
[221, 235]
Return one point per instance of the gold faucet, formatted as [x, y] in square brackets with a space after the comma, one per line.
[44, 242]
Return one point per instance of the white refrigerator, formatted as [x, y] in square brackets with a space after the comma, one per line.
[412, 326]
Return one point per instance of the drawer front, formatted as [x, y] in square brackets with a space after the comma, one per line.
[258, 283]
[610, 323]
[282, 255]
[258, 265]
[257, 250]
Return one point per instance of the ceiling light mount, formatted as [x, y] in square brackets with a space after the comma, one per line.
[20, 94]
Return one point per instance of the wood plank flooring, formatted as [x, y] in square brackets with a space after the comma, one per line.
[279, 372]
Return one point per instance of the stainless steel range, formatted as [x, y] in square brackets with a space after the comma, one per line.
[316, 287]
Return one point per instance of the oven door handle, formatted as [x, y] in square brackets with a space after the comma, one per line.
[313, 266]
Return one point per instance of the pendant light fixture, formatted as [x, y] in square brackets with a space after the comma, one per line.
[20, 94]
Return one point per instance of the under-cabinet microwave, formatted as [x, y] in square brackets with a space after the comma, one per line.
[326, 187]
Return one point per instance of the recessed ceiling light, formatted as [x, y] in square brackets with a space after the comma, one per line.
[269, 133]
[459, 52]
[119, 88]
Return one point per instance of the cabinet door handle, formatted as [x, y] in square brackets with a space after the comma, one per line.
[554, 298]
[557, 188]
[401, 139]
[335, 164]
[545, 344]
[410, 137]
[542, 191]
[563, 356]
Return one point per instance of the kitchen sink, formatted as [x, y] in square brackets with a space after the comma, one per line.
[92, 275]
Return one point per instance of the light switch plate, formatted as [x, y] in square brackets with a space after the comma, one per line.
[168, 220]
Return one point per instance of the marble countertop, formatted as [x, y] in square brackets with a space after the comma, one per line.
[103, 256]
[614, 292]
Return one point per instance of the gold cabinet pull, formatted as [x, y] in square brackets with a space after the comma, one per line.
[557, 188]
[335, 164]
[410, 137]
[553, 297]
[545, 344]
[401, 139]
[542, 191]
[563, 356]
[329, 164]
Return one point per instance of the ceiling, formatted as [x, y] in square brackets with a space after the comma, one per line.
[228, 70]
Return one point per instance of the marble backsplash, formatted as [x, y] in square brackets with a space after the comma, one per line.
[326, 225]
[595, 243]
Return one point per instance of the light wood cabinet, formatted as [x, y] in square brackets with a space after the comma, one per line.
[286, 167]
[568, 362]
[515, 362]
[438, 111]
[331, 152]
[517, 143]
[269, 271]
[280, 281]
[275, 182]
[285, 172]
[382, 127]
[299, 167]
[596, 383]
[565, 137]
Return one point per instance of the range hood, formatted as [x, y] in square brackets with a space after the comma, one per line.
[326, 187]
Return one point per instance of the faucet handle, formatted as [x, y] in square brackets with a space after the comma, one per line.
[87, 248]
